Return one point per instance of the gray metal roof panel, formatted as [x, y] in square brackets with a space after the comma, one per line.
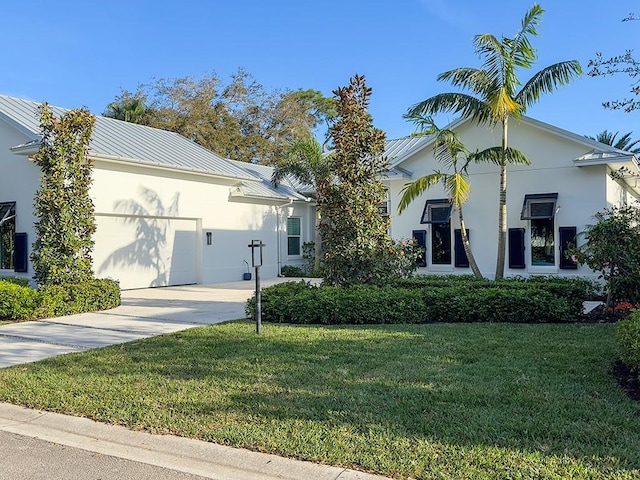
[130, 142]
[266, 188]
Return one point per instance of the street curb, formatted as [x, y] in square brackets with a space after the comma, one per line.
[206, 459]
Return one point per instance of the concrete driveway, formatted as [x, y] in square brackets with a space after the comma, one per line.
[143, 313]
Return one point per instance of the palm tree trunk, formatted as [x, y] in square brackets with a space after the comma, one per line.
[502, 213]
[317, 244]
[467, 247]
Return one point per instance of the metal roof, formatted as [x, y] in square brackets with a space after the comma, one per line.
[265, 188]
[129, 142]
[403, 147]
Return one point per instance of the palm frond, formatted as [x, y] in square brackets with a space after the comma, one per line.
[494, 53]
[466, 105]
[548, 79]
[458, 188]
[472, 79]
[494, 155]
[413, 190]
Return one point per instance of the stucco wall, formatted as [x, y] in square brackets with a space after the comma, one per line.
[582, 191]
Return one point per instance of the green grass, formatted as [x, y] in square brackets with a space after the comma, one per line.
[420, 401]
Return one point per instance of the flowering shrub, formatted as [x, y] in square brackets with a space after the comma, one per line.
[612, 248]
[402, 258]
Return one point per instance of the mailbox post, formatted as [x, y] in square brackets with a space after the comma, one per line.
[256, 262]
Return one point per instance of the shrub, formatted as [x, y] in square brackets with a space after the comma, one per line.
[91, 296]
[628, 336]
[291, 271]
[17, 302]
[22, 281]
[303, 303]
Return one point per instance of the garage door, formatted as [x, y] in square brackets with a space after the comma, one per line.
[145, 252]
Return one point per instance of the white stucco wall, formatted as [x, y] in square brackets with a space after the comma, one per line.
[199, 205]
[582, 191]
[19, 181]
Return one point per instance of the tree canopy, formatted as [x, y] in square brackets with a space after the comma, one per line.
[240, 119]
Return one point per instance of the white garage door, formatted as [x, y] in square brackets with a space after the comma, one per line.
[145, 252]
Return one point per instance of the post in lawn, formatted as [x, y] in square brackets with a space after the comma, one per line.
[257, 263]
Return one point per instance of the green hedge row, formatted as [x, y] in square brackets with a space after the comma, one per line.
[628, 336]
[457, 302]
[18, 302]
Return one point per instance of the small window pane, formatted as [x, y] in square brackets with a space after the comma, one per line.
[542, 242]
[293, 226]
[441, 244]
[293, 246]
[7, 232]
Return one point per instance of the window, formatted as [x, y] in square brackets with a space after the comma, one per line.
[540, 210]
[384, 206]
[436, 211]
[438, 214]
[7, 234]
[293, 236]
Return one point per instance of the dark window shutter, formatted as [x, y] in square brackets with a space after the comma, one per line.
[460, 255]
[420, 236]
[516, 248]
[567, 238]
[20, 253]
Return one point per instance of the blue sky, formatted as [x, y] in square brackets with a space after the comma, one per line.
[82, 53]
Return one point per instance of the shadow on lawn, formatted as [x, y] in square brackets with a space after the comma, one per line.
[491, 385]
[534, 388]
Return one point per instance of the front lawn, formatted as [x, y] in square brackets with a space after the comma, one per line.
[408, 401]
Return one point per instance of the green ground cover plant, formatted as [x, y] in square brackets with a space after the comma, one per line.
[465, 400]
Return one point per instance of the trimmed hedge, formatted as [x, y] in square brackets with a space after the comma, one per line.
[628, 336]
[303, 303]
[22, 281]
[24, 303]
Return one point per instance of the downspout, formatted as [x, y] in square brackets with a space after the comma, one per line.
[278, 241]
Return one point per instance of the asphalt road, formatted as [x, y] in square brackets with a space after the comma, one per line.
[26, 458]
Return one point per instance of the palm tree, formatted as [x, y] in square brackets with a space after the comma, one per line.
[129, 109]
[623, 143]
[306, 163]
[494, 96]
[447, 149]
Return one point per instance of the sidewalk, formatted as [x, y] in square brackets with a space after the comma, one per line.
[143, 313]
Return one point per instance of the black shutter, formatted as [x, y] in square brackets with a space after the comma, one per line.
[567, 238]
[20, 252]
[420, 236]
[516, 248]
[460, 256]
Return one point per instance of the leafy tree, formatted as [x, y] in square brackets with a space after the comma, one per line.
[65, 212]
[306, 163]
[622, 143]
[353, 231]
[239, 120]
[625, 64]
[612, 248]
[448, 150]
[497, 94]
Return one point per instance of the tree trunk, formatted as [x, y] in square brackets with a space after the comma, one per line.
[467, 247]
[502, 212]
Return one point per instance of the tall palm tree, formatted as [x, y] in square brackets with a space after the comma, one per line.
[623, 143]
[494, 95]
[448, 150]
[306, 163]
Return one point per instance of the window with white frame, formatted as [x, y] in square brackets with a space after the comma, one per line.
[540, 210]
[293, 236]
[7, 234]
[438, 214]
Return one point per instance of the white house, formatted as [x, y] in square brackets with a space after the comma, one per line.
[548, 202]
[168, 211]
